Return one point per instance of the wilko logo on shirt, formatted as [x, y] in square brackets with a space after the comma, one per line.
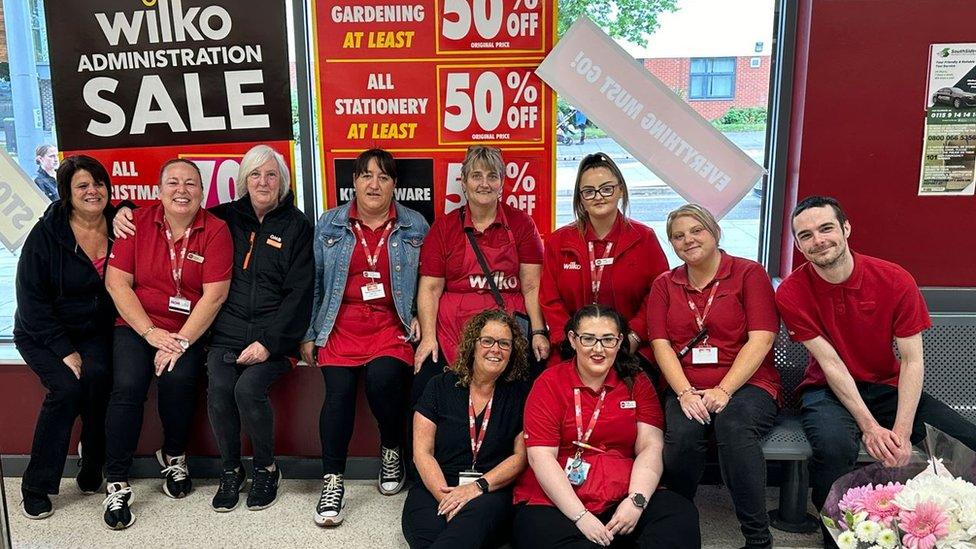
[572, 266]
[480, 282]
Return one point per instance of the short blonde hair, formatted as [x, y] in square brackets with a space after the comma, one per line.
[254, 158]
[699, 214]
[490, 157]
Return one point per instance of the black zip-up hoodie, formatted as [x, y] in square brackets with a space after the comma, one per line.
[61, 298]
[270, 299]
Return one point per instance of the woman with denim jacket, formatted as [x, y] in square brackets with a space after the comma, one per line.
[366, 258]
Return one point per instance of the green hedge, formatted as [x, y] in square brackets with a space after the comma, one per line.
[748, 115]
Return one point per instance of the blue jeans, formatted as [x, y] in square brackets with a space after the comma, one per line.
[836, 439]
[738, 432]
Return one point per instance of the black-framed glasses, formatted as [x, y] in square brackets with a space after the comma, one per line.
[605, 191]
[608, 342]
[488, 342]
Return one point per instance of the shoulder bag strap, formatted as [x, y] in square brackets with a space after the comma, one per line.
[483, 263]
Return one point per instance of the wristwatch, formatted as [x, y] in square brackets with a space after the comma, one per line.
[483, 484]
[639, 500]
[184, 343]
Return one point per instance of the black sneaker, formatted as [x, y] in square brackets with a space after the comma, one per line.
[228, 493]
[36, 505]
[264, 489]
[89, 480]
[332, 503]
[118, 516]
[176, 476]
[392, 473]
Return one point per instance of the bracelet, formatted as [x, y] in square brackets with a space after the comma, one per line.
[540, 332]
[580, 515]
[147, 332]
[720, 388]
[689, 389]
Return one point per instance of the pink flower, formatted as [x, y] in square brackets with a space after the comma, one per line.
[853, 500]
[878, 502]
[923, 526]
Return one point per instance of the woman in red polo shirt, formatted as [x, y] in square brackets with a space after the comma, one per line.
[593, 430]
[453, 286]
[712, 322]
[603, 257]
[167, 282]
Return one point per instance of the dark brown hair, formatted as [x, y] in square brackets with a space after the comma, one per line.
[383, 159]
[819, 202]
[626, 364]
[589, 162]
[67, 170]
[518, 363]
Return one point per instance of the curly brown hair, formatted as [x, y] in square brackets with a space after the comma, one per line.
[518, 363]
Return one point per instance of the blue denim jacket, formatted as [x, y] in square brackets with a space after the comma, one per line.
[333, 245]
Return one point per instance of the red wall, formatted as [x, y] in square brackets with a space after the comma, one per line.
[751, 84]
[857, 125]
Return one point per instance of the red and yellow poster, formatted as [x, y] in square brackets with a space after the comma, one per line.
[425, 79]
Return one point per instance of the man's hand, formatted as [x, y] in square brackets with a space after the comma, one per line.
[885, 446]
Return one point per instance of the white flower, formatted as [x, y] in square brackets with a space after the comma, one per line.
[847, 540]
[887, 538]
[867, 530]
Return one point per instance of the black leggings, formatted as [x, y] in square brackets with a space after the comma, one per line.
[484, 521]
[669, 521]
[134, 371]
[385, 387]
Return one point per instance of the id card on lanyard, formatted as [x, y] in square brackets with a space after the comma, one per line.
[577, 469]
[178, 303]
[373, 288]
[597, 266]
[471, 475]
[703, 353]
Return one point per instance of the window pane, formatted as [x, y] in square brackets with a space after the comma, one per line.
[699, 66]
[698, 87]
[726, 65]
[721, 86]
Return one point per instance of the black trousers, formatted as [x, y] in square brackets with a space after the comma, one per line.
[670, 521]
[484, 521]
[738, 432]
[67, 398]
[385, 379]
[238, 393]
[176, 400]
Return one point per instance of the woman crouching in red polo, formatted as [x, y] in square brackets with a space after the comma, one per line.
[593, 430]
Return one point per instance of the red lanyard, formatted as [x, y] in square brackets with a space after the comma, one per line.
[700, 319]
[372, 258]
[476, 441]
[597, 266]
[580, 436]
[176, 264]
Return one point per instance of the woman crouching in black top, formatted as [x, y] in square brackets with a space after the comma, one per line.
[467, 440]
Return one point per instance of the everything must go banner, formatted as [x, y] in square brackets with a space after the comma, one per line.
[137, 82]
[645, 117]
[425, 79]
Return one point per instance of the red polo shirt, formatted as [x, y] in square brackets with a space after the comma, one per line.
[550, 420]
[146, 257]
[567, 275]
[443, 252]
[743, 302]
[858, 317]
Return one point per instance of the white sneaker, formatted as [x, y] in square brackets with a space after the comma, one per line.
[332, 502]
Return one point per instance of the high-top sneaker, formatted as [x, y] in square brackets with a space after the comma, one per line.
[331, 506]
[392, 472]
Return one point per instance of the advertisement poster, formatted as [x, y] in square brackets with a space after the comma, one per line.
[949, 143]
[645, 117]
[426, 79]
[137, 83]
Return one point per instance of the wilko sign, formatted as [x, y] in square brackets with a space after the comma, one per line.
[591, 71]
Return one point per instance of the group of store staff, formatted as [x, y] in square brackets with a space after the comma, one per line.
[589, 454]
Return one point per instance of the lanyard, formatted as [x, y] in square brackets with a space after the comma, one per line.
[372, 258]
[580, 436]
[597, 266]
[700, 319]
[176, 264]
[477, 441]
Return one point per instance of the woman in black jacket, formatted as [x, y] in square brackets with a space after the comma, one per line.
[260, 324]
[63, 327]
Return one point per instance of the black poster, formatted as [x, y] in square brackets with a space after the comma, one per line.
[136, 73]
[414, 188]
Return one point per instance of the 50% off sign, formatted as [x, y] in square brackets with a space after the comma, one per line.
[481, 104]
[491, 24]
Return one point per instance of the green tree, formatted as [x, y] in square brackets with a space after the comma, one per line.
[631, 20]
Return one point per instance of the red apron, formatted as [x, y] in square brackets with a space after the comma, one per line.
[469, 294]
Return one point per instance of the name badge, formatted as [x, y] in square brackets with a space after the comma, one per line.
[179, 304]
[704, 355]
[373, 290]
[468, 477]
[576, 470]
[273, 243]
[194, 257]
[604, 261]
[628, 404]
[372, 274]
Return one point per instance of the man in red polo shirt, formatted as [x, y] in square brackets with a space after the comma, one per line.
[846, 308]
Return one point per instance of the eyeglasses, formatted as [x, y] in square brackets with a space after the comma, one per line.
[608, 342]
[488, 342]
[605, 191]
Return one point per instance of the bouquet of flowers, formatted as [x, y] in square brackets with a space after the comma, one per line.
[928, 503]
